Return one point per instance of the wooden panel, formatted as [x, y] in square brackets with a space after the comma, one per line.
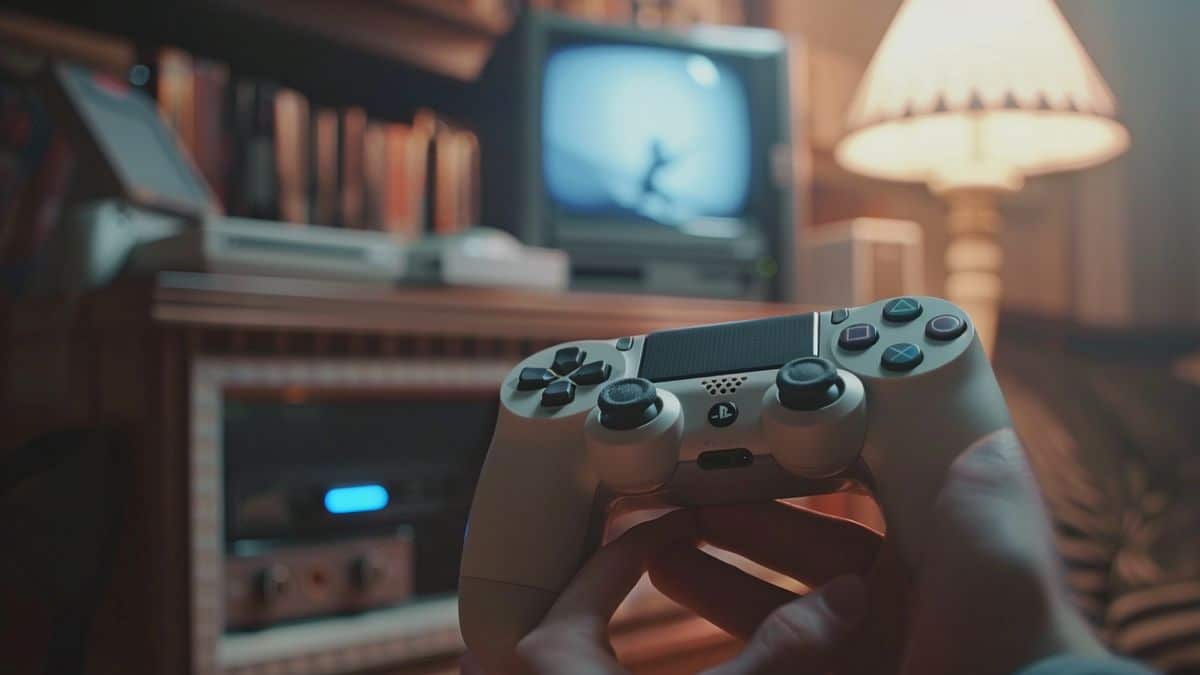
[124, 355]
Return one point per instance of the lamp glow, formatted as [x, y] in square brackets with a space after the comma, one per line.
[979, 91]
[356, 499]
[970, 97]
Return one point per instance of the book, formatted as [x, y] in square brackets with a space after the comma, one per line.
[375, 183]
[455, 177]
[291, 155]
[407, 153]
[210, 145]
[323, 193]
[351, 186]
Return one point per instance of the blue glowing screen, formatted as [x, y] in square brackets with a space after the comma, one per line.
[356, 498]
[659, 133]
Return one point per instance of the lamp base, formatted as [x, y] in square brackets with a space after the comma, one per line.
[974, 258]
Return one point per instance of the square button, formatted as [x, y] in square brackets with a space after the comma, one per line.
[858, 337]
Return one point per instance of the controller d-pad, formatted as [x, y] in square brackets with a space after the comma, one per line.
[558, 393]
[567, 360]
[592, 373]
[534, 378]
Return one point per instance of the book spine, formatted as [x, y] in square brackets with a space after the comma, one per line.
[291, 155]
[324, 192]
[352, 187]
[210, 83]
[374, 175]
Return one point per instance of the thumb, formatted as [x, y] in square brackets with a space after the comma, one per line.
[990, 508]
[991, 555]
[804, 635]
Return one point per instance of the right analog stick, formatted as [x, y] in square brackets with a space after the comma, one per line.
[809, 383]
[628, 404]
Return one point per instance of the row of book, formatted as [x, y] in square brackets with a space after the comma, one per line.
[268, 152]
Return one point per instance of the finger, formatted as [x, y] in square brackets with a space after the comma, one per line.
[467, 665]
[808, 546]
[803, 636]
[608, 576]
[731, 599]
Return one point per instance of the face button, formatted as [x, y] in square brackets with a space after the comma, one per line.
[945, 327]
[839, 315]
[722, 414]
[901, 310]
[568, 359]
[901, 357]
[628, 403]
[810, 383]
[558, 393]
[534, 378]
[857, 337]
[624, 344]
[592, 373]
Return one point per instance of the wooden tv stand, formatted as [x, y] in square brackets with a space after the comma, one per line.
[136, 357]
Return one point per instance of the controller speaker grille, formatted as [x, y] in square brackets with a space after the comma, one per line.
[717, 386]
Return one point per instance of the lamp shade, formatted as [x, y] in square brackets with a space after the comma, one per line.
[979, 91]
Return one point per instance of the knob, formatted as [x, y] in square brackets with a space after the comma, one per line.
[367, 571]
[628, 404]
[272, 582]
[810, 383]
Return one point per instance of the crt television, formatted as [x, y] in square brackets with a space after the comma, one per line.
[659, 160]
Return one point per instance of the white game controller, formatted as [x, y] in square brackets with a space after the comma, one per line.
[881, 397]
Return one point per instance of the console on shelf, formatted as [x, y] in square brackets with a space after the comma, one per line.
[247, 401]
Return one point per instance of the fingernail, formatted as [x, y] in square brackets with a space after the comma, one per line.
[846, 598]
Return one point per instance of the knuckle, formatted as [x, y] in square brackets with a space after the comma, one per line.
[795, 630]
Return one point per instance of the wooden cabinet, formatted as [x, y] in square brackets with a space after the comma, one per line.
[140, 357]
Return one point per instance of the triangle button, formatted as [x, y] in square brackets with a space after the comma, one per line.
[902, 310]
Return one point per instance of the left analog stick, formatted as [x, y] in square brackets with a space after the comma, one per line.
[628, 404]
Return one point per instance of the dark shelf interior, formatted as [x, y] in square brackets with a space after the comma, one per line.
[388, 56]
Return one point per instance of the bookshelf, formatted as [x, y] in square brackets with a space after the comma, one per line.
[421, 48]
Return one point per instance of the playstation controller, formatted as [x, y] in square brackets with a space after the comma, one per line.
[879, 398]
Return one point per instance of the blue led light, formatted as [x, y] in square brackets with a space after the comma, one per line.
[356, 498]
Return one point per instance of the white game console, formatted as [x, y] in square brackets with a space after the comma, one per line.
[257, 247]
[103, 240]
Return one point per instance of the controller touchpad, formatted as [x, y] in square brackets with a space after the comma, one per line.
[740, 347]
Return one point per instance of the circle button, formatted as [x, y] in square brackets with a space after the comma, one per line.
[722, 414]
[945, 327]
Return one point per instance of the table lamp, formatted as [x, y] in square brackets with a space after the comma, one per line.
[970, 97]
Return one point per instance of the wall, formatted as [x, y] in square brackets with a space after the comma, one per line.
[1138, 219]
[1114, 245]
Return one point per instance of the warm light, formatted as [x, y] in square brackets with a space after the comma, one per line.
[979, 92]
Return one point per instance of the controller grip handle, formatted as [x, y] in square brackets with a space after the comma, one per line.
[530, 530]
[917, 428]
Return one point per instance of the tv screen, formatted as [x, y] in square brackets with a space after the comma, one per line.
[659, 134]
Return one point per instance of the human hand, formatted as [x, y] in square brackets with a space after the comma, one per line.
[987, 596]
[573, 637]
